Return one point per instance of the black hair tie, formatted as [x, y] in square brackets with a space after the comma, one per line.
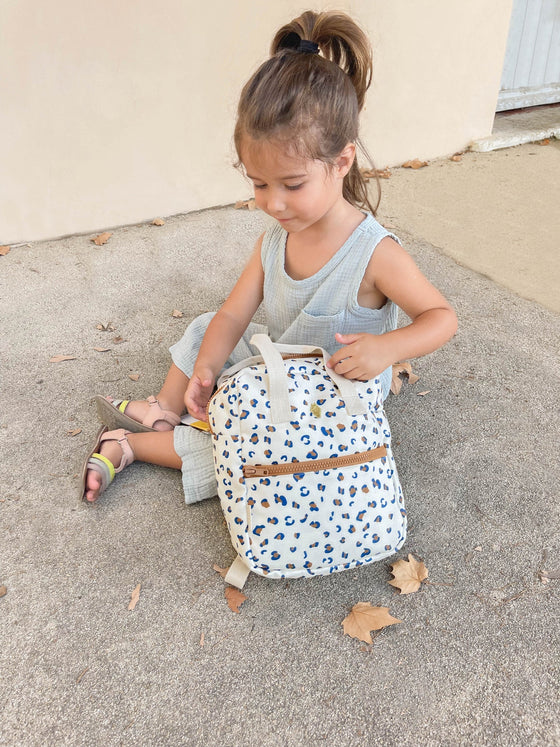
[295, 42]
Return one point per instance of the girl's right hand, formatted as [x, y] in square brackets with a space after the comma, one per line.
[198, 393]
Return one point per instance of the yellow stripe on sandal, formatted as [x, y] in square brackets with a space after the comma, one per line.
[105, 461]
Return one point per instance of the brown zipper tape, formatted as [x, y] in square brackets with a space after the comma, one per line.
[314, 465]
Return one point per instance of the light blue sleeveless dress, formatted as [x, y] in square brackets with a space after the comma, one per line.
[297, 312]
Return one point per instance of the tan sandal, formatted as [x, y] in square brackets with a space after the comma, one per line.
[112, 412]
[100, 464]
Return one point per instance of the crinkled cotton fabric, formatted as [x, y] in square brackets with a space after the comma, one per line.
[297, 312]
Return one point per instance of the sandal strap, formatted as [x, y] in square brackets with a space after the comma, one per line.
[120, 435]
[100, 464]
[156, 413]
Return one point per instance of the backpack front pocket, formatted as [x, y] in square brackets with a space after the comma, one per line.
[344, 515]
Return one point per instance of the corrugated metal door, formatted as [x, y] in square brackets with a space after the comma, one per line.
[531, 74]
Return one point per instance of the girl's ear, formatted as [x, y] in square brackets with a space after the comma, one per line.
[345, 159]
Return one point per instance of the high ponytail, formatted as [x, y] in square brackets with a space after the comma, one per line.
[340, 40]
[311, 102]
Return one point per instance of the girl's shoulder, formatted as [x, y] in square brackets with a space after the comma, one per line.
[371, 226]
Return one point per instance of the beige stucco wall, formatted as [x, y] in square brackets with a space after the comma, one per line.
[118, 112]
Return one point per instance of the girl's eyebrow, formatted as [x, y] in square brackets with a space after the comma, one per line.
[282, 178]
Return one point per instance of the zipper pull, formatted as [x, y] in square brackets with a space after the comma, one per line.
[254, 471]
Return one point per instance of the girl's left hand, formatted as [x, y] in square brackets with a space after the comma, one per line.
[363, 356]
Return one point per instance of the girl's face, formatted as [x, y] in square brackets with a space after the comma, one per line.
[298, 192]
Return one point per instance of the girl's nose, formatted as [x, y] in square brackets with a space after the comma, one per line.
[275, 202]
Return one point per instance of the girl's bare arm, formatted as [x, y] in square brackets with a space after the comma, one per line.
[224, 332]
[393, 272]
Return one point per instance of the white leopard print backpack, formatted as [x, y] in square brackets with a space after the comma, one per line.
[306, 475]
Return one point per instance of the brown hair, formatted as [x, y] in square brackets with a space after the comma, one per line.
[312, 101]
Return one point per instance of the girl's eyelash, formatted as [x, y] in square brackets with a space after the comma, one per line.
[288, 187]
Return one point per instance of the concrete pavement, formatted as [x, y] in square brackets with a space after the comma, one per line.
[476, 659]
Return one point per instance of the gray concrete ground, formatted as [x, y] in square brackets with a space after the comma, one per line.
[476, 659]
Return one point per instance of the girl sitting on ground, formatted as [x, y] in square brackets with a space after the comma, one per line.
[327, 273]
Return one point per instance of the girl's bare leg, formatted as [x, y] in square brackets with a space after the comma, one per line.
[171, 396]
[155, 448]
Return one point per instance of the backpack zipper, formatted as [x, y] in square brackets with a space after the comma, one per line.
[314, 465]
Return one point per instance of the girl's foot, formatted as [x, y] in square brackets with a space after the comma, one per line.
[112, 453]
[136, 415]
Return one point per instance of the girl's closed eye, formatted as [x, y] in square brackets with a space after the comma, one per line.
[293, 187]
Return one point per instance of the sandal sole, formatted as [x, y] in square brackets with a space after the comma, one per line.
[92, 451]
[114, 419]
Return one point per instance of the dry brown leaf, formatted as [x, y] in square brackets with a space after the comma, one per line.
[74, 432]
[134, 597]
[408, 575]
[3, 591]
[105, 327]
[134, 377]
[546, 141]
[4, 250]
[221, 571]
[249, 204]
[103, 238]
[202, 639]
[423, 394]
[60, 358]
[363, 618]
[158, 222]
[550, 574]
[415, 164]
[102, 350]
[456, 157]
[118, 340]
[372, 173]
[235, 598]
[176, 314]
[400, 370]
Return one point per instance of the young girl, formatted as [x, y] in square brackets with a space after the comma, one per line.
[327, 273]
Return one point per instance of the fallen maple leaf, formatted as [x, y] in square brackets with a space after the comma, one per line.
[158, 222]
[363, 618]
[415, 164]
[103, 238]
[60, 358]
[249, 204]
[176, 314]
[372, 173]
[134, 597]
[4, 250]
[221, 571]
[134, 377]
[74, 432]
[408, 575]
[400, 370]
[235, 598]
